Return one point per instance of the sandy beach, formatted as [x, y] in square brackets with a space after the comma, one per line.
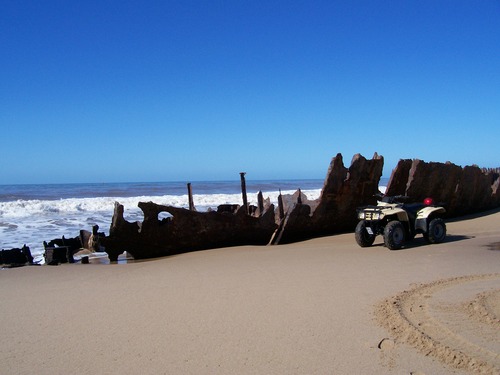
[324, 306]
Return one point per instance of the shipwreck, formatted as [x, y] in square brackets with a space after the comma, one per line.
[295, 219]
[465, 190]
[461, 190]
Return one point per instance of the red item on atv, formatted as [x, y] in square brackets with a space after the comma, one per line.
[428, 201]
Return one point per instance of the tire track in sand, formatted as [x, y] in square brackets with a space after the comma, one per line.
[455, 320]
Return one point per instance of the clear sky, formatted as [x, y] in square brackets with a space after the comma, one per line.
[117, 91]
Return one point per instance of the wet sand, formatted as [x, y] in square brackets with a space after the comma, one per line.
[324, 306]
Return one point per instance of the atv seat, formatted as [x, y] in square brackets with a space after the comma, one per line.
[412, 209]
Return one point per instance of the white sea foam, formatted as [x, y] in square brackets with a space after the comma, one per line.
[29, 208]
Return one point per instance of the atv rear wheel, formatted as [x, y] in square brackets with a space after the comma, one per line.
[436, 232]
[394, 235]
[363, 238]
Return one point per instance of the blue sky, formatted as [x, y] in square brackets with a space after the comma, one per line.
[109, 91]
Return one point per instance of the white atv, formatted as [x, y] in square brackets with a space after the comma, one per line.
[397, 222]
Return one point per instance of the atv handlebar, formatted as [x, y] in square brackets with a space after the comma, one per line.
[392, 199]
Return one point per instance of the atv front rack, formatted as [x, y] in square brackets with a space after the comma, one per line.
[372, 213]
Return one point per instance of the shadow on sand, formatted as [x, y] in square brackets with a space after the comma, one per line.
[421, 242]
[473, 216]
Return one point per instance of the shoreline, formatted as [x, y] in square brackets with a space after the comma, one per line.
[306, 307]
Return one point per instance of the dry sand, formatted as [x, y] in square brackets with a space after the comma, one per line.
[324, 306]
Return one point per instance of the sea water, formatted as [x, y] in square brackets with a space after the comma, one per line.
[31, 214]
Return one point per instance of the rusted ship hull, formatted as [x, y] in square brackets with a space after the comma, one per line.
[185, 231]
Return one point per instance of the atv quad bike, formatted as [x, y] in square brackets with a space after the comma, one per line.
[398, 221]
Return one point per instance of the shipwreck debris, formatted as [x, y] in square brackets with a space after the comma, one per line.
[62, 250]
[91, 240]
[186, 230]
[462, 190]
[244, 191]
[232, 224]
[16, 257]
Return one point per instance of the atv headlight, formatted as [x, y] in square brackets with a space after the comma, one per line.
[377, 215]
[361, 215]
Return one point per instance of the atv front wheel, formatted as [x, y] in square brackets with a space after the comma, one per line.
[363, 238]
[394, 235]
[436, 232]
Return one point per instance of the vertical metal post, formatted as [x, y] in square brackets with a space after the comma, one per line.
[244, 191]
[190, 197]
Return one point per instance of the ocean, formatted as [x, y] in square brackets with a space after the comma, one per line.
[31, 214]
